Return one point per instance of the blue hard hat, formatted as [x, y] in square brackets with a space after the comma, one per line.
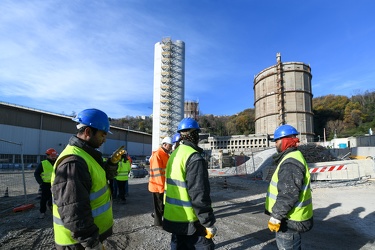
[94, 118]
[188, 123]
[283, 131]
[176, 137]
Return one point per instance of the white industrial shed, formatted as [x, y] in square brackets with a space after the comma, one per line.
[30, 132]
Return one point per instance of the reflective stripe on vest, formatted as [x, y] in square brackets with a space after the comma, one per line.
[47, 171]
[302, 209]
[123, 171]
[100, 198]
[178, 207]
[158, 163]
[157, 172]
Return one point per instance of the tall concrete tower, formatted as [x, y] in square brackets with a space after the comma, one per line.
[283, 95]
[169, 89]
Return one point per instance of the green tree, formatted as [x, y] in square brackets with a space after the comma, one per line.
[353, 115]
[347, 116]
[367, 102]
[328, 108]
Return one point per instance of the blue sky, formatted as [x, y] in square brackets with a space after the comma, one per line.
[65, 56]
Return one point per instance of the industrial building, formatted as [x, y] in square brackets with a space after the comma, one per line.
[29, 132]
[169, 89]
[283, 95]
[191, 109]
[238, 143]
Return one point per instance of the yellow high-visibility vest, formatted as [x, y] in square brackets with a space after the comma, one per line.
[100, 198]
[303, 209]
[123, 170]
[47, 171]
[178, 207]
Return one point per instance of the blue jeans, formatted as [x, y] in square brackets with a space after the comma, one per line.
[289, 240]
[191, 242]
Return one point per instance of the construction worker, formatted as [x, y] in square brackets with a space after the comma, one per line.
[188, 213]
[129, 159]
[158, 163]
[82, 207]
[176, 140]
[289, 200]
[111, 183]
[124, 167]
[42, 175]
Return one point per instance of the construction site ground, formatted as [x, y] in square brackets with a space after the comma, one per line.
[344, 215]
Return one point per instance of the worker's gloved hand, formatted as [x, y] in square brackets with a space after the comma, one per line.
[110, 171]
[99, 246]
[116, 156]
[211, 232]
[274, 224]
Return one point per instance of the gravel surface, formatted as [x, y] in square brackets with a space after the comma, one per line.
[344, 218]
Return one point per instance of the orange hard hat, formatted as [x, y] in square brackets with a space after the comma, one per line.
[51, 152]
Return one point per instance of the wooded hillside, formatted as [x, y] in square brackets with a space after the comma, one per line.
[337, 114]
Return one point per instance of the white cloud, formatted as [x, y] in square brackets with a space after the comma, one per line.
[95, 58]
[68, 55]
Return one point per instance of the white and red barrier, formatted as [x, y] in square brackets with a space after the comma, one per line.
[341, 170]
[327, 169]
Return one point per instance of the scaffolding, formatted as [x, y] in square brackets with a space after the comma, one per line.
[280, 90]
[170, 87]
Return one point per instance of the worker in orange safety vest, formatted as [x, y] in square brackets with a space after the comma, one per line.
[158, 163]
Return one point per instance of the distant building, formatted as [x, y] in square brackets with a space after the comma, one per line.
[339, 143]
[283, 95]
[29, 132]
[362, 141]
[191, 109]
[239, 142]
[236, 144]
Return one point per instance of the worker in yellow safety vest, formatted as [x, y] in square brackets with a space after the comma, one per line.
[122, 177]
[289, 200]
[82, 207]
[42, 175]
[188, 212]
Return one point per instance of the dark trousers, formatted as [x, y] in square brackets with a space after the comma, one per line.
[46, 197]
[113, 187]
[289, 240]
[158, 208]
[191, 242]
[122, 189]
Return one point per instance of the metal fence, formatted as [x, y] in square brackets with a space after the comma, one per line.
[17, 182]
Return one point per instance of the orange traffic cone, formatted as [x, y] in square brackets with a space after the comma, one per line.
[6, 194]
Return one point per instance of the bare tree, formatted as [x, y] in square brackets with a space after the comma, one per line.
[334, 128]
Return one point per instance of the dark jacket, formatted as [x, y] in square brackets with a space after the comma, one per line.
[71, 190]
[198, 187]
[291, 175]
[39, 170]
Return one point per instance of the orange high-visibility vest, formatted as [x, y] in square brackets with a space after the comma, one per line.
[158, 163]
